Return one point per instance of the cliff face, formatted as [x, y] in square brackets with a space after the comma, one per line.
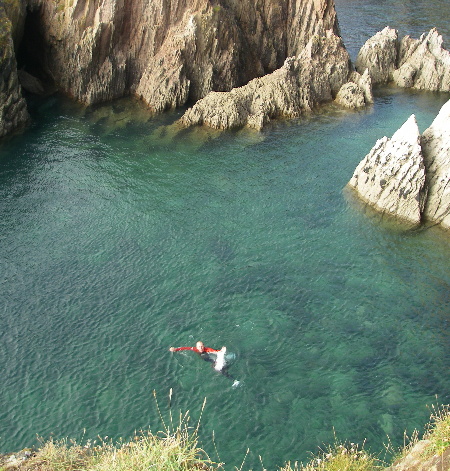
[13, 110]
[170, 51]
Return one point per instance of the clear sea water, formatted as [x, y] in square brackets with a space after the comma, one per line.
[122, 235]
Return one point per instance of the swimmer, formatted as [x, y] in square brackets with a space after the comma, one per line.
[219, 362]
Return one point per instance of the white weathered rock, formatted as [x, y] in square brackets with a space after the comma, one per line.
[357, 92]
[351, 95]
[423, 63]
[314, 76]
[436, 151]
[379, 55]
[392, 176]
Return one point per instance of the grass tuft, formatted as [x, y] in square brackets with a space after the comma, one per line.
[339, 457]
[438, 430]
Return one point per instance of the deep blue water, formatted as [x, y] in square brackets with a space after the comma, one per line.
[122, 235]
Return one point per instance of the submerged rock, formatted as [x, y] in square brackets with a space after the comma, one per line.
[408, 176]
[392, 176]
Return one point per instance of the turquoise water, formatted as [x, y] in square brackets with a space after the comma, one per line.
[122, 235]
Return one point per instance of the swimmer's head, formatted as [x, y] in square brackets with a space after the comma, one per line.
[200, 347]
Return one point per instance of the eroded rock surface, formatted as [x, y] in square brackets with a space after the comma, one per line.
[314, 76]
[392, 176]
[411, 63]
[379, 55]
[170, 51]
[436, 151]
[408, 176]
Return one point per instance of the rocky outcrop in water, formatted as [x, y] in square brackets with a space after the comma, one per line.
[315, 76]
[408, 176]
[169, 52]
[436, 151]
[13, 109]
[392, 176]
[412, 63]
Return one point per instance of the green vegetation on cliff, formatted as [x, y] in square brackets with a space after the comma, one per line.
[177, 449]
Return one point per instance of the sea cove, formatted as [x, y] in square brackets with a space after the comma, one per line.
[120, 238]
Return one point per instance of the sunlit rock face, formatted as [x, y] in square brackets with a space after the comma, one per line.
[408, 176]
[315, 76]
[168, 52]
[411, 63]
[435, 143]
[392, 176]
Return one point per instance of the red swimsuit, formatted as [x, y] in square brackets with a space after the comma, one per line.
[194, 349]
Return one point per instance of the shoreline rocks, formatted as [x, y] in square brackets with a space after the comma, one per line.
[421, 63]
[316, 75]
[408, 176]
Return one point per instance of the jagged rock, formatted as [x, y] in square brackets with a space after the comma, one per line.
[13, 109]
[423, 63]
[169, 52]
[411, 63]
[416, 460]
[379, 55]
[436, 151]
[313, 77]
[392, 176]
[357, 92]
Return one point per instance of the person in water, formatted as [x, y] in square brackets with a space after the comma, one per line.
[218, 357]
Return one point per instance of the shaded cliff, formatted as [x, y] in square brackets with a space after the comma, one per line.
[13, 110]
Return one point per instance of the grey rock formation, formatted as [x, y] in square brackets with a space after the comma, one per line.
[357, 92]
[170, 51]
[423, 63]
[392, 176]
[13, 109]
[314, 76]
[408, 176]
[412, 63]
[436, 151]
[379, 56]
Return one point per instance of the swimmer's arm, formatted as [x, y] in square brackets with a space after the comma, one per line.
[173, 349]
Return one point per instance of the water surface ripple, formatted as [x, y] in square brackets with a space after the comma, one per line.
[121, 236]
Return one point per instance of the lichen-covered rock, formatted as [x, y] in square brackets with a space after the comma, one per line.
[170, 51]
[436, 151]
[314, 76]
[13, 109]
[392, 176]
[379, 55]
[423, 63]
